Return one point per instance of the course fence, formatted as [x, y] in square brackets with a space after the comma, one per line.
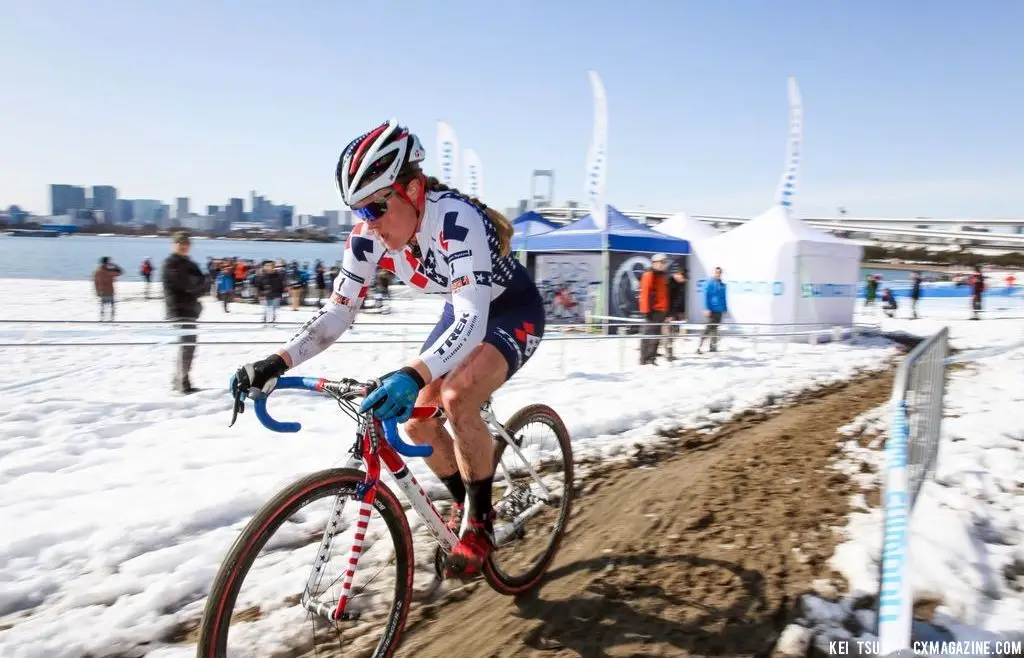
[563, 349]
[911, 450]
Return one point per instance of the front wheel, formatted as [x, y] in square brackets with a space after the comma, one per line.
[306, 559]
[533, 488]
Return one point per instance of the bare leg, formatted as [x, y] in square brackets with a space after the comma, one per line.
[466, 389]
[432, 432]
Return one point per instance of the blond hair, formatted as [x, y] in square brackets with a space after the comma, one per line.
[501, 224]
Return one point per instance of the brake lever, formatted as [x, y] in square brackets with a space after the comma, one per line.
[237, 407]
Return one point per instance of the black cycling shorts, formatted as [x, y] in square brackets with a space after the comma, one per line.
[515, 325]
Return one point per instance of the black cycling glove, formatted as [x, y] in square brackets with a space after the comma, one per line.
[261, 375]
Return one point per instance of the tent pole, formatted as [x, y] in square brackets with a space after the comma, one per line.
[605, 278]
[605, 289]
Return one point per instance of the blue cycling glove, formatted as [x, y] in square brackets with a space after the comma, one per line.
[395, 397]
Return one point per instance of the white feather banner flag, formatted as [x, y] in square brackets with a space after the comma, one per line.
[474, 174]
[788, 185]
[448, 154]
[597, 157]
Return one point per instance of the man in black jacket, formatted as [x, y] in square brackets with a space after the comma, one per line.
[676, 306]
[184, 284]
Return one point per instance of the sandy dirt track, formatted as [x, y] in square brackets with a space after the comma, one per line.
[696, 547]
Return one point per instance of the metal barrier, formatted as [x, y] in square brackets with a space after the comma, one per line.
[911, 450]
[162, 332]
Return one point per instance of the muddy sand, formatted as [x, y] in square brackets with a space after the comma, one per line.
[699, 546]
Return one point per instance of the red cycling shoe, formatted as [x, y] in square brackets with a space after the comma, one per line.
[467, 558]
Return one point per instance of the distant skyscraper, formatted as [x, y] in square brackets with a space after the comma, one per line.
[124, 213]
[333, 220]
[211, 211]
[181, 207]
[234, 210]
[65, 198]
[104, 197]
[163, 216]
[145, 211]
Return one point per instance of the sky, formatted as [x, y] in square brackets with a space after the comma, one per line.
[910, 108]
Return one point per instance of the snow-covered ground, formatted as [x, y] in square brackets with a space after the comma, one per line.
[967, 529]
[118, 498]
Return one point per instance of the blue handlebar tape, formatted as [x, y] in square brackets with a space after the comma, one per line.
[264, 417]
[260, 404]
[403, 448]
[306, 383]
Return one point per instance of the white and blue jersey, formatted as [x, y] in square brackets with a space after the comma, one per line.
[490, 298]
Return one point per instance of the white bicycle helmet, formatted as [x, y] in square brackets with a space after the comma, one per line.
[373, 161]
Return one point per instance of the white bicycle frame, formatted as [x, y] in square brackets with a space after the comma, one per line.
[421, 503]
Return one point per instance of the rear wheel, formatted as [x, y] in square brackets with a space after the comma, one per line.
[533, 491]
[304, 557]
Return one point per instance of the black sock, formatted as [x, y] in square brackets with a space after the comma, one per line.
[480, 500]
[456, 487]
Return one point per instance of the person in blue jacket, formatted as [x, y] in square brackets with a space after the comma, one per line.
[226, 286]
[715, 306]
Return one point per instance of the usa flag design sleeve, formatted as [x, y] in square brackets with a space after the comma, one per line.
[359, 265]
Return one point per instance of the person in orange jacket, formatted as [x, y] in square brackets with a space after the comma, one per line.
[653, 305]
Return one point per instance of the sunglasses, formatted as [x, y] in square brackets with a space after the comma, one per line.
[374, 210]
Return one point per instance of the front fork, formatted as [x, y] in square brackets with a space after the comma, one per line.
[366, 494]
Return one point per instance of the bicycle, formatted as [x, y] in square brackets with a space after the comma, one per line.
[547, 493]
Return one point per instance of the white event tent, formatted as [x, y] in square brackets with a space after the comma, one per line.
[777, 269]
[781, 271]
[681, 225]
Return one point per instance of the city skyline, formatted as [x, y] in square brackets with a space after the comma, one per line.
[906, 113]
[72, 204]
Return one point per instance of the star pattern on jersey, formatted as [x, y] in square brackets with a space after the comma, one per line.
[503, 268]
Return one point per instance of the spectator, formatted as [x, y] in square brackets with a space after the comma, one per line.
[295, 285]
[654, 304]
[226, 285]
[321, 282]
[676, 307]
[715, 306]
[332, 274]
[212, 268]
[889, 304]
[870, 290]
[241, 272]
[146, 270]
[383, 281]
[184, 283]
[270, 285]
[915, 293]
[977, 290]
[103, 280]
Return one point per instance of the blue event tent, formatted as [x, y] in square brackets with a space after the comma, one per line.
[621, 234]
[528, 225]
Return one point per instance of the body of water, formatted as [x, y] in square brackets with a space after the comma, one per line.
[76, 256]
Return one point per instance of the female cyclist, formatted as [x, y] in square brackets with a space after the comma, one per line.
[438, 241]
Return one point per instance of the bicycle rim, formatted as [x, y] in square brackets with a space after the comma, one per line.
[282, 579]
[530, 524]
